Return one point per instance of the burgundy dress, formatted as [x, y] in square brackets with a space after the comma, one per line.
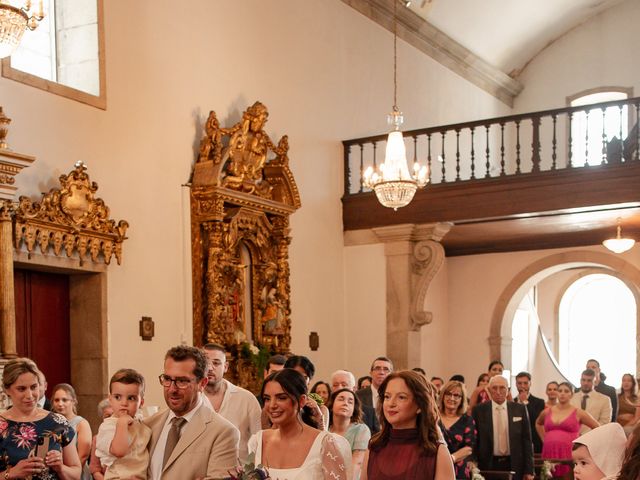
[401, 459]
[558, 438]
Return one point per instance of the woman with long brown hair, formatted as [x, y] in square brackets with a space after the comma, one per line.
[628, 407]
[408, 445]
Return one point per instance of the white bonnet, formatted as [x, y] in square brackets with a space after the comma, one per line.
[606, 446]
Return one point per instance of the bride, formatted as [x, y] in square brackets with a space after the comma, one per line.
[294, 449]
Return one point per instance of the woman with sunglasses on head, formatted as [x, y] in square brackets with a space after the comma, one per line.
[458, 428]
[295, 449]
[408, 445]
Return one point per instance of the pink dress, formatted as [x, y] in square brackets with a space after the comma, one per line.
[557, 440]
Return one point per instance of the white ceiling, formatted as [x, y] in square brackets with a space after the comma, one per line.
[507, 33]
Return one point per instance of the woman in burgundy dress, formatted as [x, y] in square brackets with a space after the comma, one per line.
[559, 425]
[408, 445]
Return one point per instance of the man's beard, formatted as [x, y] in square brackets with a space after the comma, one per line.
[213, 385]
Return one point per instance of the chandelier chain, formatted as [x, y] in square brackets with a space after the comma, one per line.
[395, 56]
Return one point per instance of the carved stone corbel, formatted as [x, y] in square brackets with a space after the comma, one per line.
[428, 256]
[413, 258]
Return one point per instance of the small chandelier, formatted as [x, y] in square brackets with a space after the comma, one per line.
[13, 22]
[619, 244]
[392, 182]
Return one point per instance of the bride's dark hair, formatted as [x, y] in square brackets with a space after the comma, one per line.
[295, 385]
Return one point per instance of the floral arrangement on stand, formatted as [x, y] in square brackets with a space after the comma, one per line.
[546, 471]
[475, 472]
[258, 355]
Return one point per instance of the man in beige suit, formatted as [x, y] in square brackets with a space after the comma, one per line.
[190, 440]
[597, 404]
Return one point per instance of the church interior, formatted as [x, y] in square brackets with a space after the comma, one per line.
[324, 71]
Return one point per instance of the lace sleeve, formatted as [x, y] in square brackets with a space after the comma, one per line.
[336, 458]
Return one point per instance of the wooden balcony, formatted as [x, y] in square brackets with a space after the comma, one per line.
[502, 196]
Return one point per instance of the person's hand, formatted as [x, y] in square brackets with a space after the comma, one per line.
[123, 417]
[464, 452]
[53, 460]
[316, 413]
[27, 467]
[527, 476]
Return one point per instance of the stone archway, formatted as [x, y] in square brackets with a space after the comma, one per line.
[500, 330]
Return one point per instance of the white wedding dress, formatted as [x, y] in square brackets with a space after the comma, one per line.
[329, 458]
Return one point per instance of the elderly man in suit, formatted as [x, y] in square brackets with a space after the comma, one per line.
[597, 404]
[504, 433]
[380, 369]
[190, 440]
[534, 405]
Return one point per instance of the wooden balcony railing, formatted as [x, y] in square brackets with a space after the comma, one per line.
[516, 145]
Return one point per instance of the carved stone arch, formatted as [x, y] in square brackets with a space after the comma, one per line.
[500, 328]
[242, 192]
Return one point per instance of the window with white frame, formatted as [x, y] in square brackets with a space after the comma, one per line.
[597, 319]
[63, 55]
[591, 131]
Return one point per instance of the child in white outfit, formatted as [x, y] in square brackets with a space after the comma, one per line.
[122, 439]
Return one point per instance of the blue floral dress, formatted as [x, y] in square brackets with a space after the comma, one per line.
[19, 439]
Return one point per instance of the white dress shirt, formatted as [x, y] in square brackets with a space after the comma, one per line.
[500, 410]
[158, 454]
[374, 397]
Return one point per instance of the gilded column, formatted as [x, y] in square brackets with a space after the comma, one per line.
[413, 257]
[7, 296]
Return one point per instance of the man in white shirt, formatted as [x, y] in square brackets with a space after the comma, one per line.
[189, 440]
[234, 403]
[597, 404]
[504, 433]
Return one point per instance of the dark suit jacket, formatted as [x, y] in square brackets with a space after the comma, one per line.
[534, 408]
[369, 416]
[519, 438]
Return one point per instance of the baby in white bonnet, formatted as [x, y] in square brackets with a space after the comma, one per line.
[598, 454]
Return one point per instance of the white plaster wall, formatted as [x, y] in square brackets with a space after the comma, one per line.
[595, 54]
[325, 73]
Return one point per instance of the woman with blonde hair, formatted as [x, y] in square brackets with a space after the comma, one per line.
[35, 443]
[65, 402]
[408, 444]
[458, 428]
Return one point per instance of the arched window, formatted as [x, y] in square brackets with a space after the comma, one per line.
[597, 319]
[591, 131]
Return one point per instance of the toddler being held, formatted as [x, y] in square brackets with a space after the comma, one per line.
[122, 438]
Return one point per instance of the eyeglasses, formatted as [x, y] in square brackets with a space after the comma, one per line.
[181, 383]
[455, 396]
[381, 369]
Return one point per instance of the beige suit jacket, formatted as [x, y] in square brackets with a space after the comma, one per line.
[598, 405]
[208, 447]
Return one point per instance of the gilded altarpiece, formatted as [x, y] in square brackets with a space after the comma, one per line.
[242, 194]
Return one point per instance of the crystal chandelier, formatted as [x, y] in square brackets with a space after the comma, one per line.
[13, 22]
[619, 244]
[392, 182]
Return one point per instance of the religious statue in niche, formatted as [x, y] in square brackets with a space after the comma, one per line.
[242, 194]
[272, 310]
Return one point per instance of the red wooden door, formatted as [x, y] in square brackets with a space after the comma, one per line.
[42, 322]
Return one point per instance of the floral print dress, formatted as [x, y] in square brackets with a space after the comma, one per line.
[19, 439]
[462, 433]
